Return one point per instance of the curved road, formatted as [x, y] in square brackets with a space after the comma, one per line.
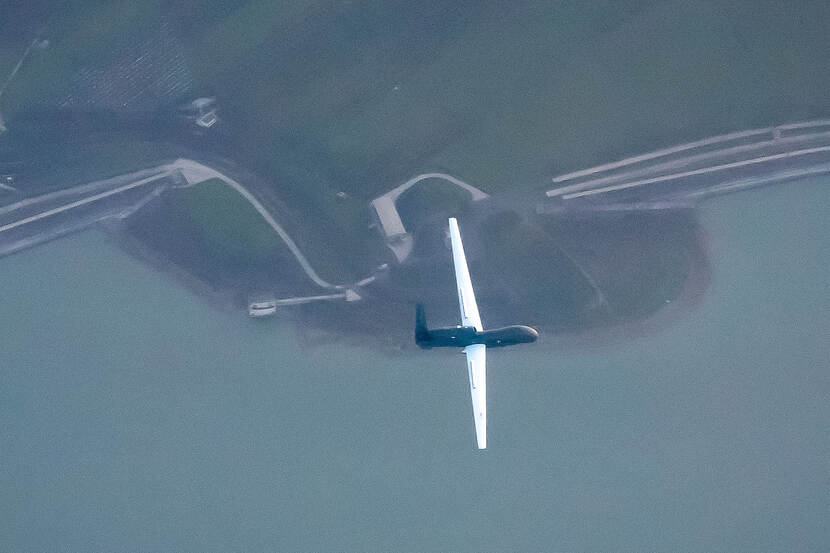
[191, 171]
[194, 173]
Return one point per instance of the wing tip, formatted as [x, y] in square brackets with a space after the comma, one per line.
[481, 436]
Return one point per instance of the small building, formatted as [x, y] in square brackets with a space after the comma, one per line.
[207, 119]
[202, 111]
[7, 183]
[262, 305]
[388, 220]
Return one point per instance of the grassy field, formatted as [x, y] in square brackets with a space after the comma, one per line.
[548, 89]
[84, 164]
[329, 97]
[509, 96]
[229, 225]
[431, 196]
[81, 35]
[505, 95]
[544, 278]
[230, 228]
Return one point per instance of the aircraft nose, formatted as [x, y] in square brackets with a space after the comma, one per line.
[534, 334]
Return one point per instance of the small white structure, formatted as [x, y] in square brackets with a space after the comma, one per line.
[203, 112]
[207, 119]
[262, 306]
[201, 104]
[6, 182]
[389, 221]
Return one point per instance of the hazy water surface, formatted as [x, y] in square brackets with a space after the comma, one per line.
[136, 417]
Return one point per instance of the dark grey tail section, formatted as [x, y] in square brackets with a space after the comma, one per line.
[421, 331]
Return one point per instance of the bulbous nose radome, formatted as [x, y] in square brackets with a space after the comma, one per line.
[531, 333]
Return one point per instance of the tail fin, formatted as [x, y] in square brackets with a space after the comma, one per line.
[421, 331]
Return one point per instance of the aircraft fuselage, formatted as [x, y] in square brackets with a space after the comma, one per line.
[463, 336]
[470, 335]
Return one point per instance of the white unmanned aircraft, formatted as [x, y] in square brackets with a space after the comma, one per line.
[470, 335]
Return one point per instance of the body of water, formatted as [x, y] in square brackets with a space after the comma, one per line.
[135, 416]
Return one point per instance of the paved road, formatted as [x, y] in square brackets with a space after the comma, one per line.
[390, 221]
[79, 203]
[706, 167]
[31, 211]
[194, 173]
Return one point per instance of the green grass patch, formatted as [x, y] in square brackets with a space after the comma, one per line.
[229, 225]
[69, 166]
[429, 198]
[229, 41]
[536, 268]
[339, 244]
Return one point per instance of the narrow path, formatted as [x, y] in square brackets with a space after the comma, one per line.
[474, 192]
[715, 168]
[390, 220]
[194, 173]
[88, 187]
[775, 132]
[11, 77]
[734, 151]
[78, 203]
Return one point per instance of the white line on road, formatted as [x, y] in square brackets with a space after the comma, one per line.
[202, 171]
[712, 169]
[79, 203]
[474, 192]
[79, 189]
[752, 182]
[690, 146]
[686, 161]
[660, 153]
[194, 173]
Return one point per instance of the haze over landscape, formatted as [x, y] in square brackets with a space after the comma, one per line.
[678, 397]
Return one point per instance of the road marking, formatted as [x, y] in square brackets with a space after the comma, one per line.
[685, 161]
[690, 146]
[712, 169]
[189, 169]
[78, 189]
[390, 220]
[204, 171]
[752, 182]
[79, 203]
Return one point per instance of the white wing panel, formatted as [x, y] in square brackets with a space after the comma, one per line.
[466, 298]
[476, 367]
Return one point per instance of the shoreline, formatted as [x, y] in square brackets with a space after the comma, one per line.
[159, 235]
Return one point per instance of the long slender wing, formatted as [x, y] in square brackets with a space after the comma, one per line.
[476, 366]
[466, 298]
[476, 353]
